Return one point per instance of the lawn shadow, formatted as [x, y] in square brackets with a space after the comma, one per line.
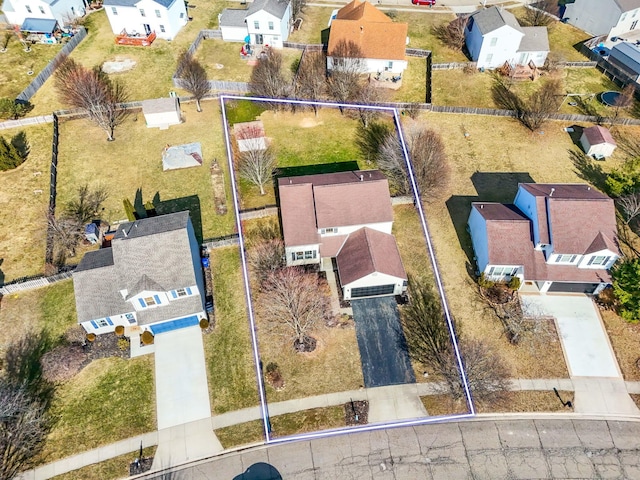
[259, 471]
[190, 203]
[2, 276]
[490, 187]
[575, 132]
[588, 170]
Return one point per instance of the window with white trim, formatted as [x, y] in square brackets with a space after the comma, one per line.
[489, 58]
[599, 260]
[102, 323]
[493, 42]
[566, 258]
[158, 14]
[309, 254]
[114, 10]
[162, 28]
[142, 14]
[256, 24]
[181, 292]
[270, 25]
[503, 271]
[149, 301]
[329, 230]
[41, 9]
[28, 8]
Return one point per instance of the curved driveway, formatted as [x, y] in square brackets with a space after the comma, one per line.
[484, 448]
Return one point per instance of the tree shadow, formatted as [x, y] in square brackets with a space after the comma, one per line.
[259, 471]
[588, 170]
[316, 169]
[2, 276]
[575, 133]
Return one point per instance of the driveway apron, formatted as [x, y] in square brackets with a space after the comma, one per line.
[383, 348]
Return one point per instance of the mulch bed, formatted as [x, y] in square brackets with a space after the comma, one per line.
[140, 466]
[358, 409]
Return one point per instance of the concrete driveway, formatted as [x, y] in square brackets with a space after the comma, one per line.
[584, 340]
[383, 349]
[182, 392]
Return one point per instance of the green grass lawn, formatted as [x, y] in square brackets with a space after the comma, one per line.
[413, 82]
[16, 63]
[222, 60]
[24, 196]
[232, 380]
[134, 161]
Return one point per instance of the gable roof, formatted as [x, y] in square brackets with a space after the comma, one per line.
[377, 36]
[597, 135]
[39, 25]
[312, 202]
[489, 19]
[627, 5]
[233, 17]
[133, 3]
[536, 39]
[627, 56]
[277, 8]
[368, 251]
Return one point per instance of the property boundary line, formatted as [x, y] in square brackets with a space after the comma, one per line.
[253, 329]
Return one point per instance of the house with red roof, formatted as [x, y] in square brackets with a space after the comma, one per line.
[381, 40]
[554, 237]
[345, 216]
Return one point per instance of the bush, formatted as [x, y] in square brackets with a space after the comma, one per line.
[484, 282]
[13, 152]
[147, 337]
[204, 323]
[12, 110]
[123, 344]
[514, 283]
[91, 337]
[119, 330]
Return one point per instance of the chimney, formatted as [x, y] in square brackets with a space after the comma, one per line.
[552, 190]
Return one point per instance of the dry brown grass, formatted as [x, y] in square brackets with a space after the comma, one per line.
[112, 469]
[636, 398]
[625, 340]
[509, 402]
[487, 165]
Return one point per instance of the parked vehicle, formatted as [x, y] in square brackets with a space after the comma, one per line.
[424, 2]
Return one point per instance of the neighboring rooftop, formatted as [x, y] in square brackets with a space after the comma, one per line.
[597, 135]
[572, 191]
[233, 17]
[628, 5]
[277, 8]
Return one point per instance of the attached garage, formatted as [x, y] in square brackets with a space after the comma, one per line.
[573, 287]
[373, 291]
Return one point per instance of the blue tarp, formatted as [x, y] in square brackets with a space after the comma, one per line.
[39, 25]
[175, 324]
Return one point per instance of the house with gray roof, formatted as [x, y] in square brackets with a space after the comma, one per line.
[151, 277]
[493, 36]
[165, 18]
[554, 238]
[17, 11]
[613, 18]
[346, 216]
[626, 57]
[264, 22]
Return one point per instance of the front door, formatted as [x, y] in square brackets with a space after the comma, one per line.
[259, 39]
[147, 28]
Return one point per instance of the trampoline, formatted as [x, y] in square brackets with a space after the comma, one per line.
[609, 98]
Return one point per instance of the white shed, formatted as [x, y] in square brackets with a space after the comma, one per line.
[597, 142]
[250, 136]
[161, 112]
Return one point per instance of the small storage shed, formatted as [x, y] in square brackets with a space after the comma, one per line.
[250, 136]
[92, 233]
[597, 142]
[161, 112]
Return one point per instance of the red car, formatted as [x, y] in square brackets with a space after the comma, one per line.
[424, 2]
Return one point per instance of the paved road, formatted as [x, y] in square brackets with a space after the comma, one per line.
[485, 448]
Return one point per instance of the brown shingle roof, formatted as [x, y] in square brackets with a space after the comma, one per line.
[371, 30]
[367, 251]
[298, 214]
[597, 135]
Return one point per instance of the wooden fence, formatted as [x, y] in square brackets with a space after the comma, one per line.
[47, 71]
[454, 65]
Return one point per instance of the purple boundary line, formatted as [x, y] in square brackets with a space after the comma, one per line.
[254, 339]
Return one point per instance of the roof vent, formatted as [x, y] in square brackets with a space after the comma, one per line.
[552, 190]
[588, 188]
[362, 178]
[481, 206]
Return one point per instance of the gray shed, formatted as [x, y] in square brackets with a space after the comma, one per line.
[161, 112]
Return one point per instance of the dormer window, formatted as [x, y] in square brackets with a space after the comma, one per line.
[149, 301]
[566, 258]
[329, 230]
[181, 292]
[599, 260]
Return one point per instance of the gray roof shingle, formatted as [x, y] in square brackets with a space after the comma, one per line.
[490, 19]
[535, 40]
[233, 17]
[274, 7]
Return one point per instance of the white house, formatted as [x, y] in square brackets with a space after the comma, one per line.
[613, 18]
[346, 216]
[161, 112]
[555, 238]
[164, 17]
[493, 36]
[150, 277]
[265, 22]
[382, 41]
[597, 142]
[16, 11]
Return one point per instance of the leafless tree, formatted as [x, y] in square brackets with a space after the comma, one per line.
[428, 160]
[86, 206]
[629, 206]
[193, 77]
[347, 66]
[310, 81]
[67, 233]
[369, 95]
[452, 34]
[540, 13]
[297, 300]
[624, 100]
[91, 90]
[257, 166]
[266, 258]
[267, 77]
[369, 139]
[24, 425]
[297, 6]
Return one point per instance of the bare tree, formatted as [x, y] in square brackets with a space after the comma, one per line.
[257, 166]
[541, 13]
[297, 6]
[24, 425]
[452, 34]
[267, 77]
[86, 206]
[297, 300]
[346, 68]
[67, 234]
[310, 81]
[91, 90]
[629, 206]
[266, 258]
[428, 160]
[193, 77]
[369, 95]
[624, 100]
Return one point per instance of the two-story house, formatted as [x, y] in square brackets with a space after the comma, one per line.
[165, 18]
[17, 11]
[382, 41]
[613, 18]
[493, 36]
[554, 237]
[346, 216]
[265, 22]
[150, 277]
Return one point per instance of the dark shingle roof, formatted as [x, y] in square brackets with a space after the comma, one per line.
[153, 225]
[535, 39]
[99, 258]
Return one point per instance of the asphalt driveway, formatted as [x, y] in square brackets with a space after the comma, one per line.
[383, 348]
[584, 340]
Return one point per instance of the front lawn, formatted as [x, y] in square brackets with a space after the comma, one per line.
[134, 162]
[24, 197]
